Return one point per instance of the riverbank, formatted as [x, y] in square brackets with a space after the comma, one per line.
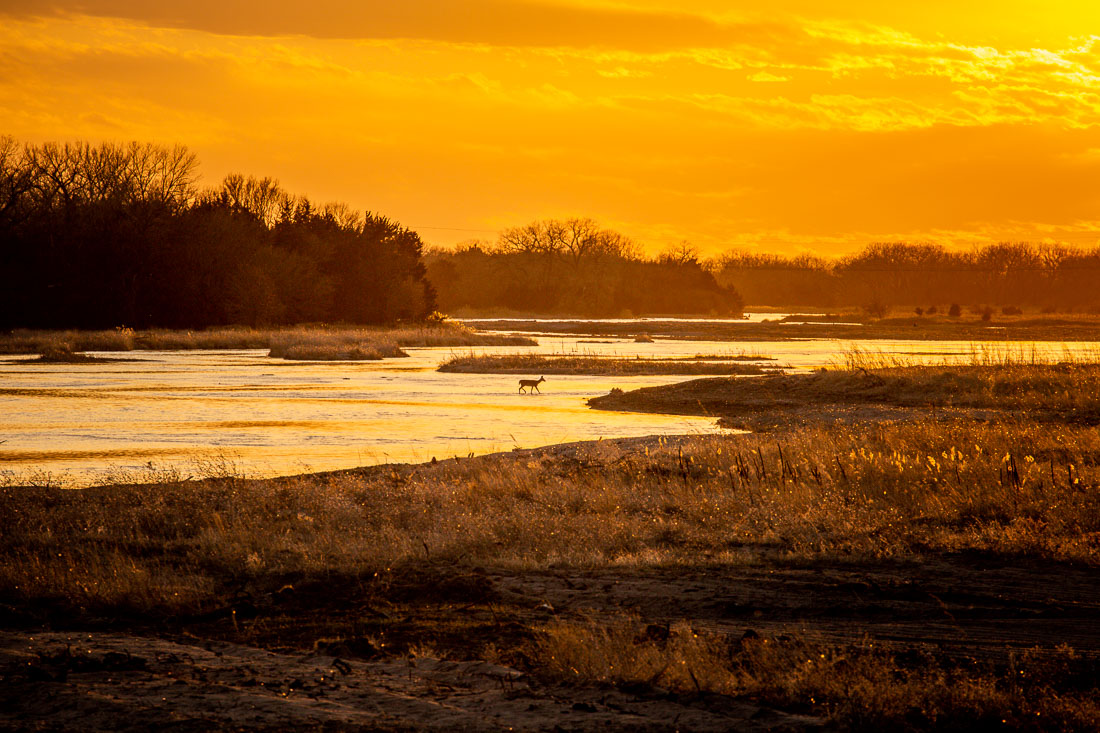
[919, 565]
[316, 342]
[1065, 392]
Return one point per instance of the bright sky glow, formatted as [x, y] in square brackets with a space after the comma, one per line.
[805, 126]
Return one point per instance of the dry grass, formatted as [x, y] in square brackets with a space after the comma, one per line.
[363, 351]
[1068, 390]
[868, 491]
[733, 356]
[859, 687]
[1001, 355]
[1001, 377]
[590, 364]
[373, 344]
[334, 341]
[63, 354]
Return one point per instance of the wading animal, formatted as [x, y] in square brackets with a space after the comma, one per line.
[532, 384]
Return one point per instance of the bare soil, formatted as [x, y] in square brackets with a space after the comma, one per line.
[109, 681]
[345, 657]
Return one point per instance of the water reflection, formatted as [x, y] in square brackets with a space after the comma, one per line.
[83, 423]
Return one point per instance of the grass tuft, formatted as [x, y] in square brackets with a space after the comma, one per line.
[859, 687]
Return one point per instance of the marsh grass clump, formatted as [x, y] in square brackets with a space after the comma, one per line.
[590, 364]
[319, 337]
[373, 344]
[733, 356]
[988, 377]
[1051, 388]
[1005, 355]
[62, 353]
[43, 342]
[333, 352]
[857, 686]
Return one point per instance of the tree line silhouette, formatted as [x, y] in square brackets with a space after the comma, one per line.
[1006, 274]
[96, 236]
[575, 267]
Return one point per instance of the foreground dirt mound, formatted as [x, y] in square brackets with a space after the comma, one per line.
[105, 681]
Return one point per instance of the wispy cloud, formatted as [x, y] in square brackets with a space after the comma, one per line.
[495, 22]
[661, 121]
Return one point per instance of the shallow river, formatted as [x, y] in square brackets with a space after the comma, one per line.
[200, 412]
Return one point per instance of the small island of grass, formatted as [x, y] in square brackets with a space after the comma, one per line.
[595, 365]
[864, 388]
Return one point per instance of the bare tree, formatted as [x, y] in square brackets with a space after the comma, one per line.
[15, 180]
[683, 253]
[55, 177]
[164, 175]
[576, 239]
[261, 197]
[344, 216]
[539, 237]
[63, 175]
[579, 238]
[612, 244]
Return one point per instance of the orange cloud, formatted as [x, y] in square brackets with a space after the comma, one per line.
[495, 22]
[777, 129]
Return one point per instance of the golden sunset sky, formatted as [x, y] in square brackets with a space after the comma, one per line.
[785, 126]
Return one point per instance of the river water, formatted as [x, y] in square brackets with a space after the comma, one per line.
[202, 412]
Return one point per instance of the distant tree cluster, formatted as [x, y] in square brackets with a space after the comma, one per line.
[95, 236]
[576, 267]
[1008, 274]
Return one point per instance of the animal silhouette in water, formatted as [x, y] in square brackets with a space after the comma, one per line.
[532, 384]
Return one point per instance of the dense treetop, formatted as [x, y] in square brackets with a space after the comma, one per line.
[96, 236]
[576, 267]
[1004, 274]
